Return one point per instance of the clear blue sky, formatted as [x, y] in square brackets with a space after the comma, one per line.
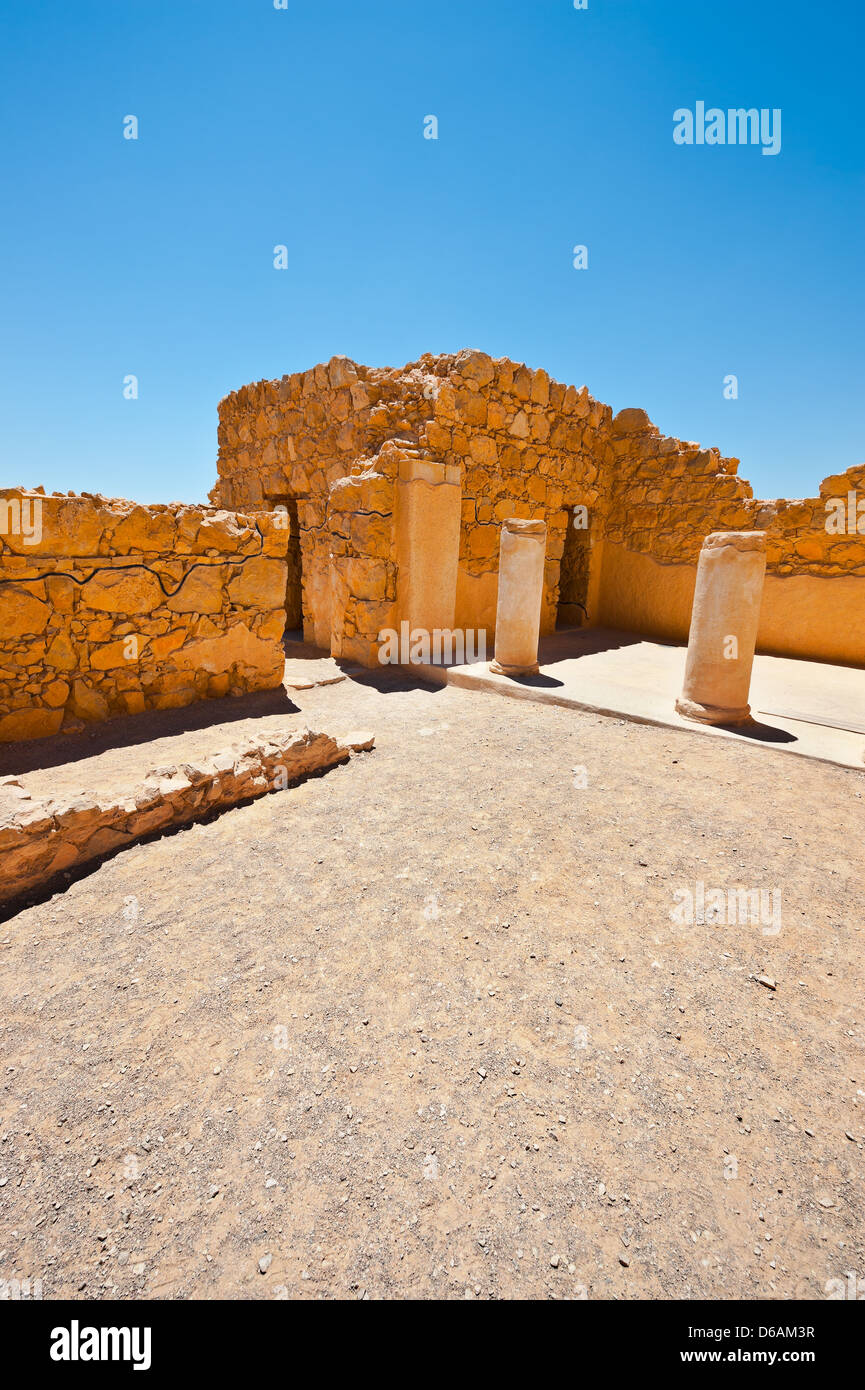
[304, 126]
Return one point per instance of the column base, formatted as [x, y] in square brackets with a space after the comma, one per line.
[500, 670]
[712, 714]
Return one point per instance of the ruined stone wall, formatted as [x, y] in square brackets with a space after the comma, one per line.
[526, 446]
[359, 549]
[42, 838]
[668, 495]
[529, 447]
[118, 608]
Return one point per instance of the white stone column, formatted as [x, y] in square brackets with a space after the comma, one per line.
[521, 585]
[723, 633]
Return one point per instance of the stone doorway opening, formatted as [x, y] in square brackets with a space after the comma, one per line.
[574, 571]
[286, 507]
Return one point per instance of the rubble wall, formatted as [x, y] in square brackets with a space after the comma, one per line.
[110, 608]
[668, 495]
[527, 446]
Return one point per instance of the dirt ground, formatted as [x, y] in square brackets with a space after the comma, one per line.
[423, 1027]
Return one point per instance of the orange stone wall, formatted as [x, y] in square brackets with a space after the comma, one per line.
[525, 446]
[332, 439]
[120, 608]
[308, 477]
[668, 495]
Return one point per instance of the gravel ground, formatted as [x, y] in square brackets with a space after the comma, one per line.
[424, 1027]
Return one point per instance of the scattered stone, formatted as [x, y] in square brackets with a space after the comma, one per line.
[358, 742]
[46, 836]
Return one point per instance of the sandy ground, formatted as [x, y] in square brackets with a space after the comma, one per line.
[424, 1027]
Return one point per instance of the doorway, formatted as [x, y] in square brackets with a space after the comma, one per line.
[574, 571]
[287, 507]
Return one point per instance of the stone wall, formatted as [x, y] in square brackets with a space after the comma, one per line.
[116, 608]
[668, 495]
[42, 838]
[524, 446]
[332, 441]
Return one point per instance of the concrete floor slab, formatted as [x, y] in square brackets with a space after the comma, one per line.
[809, 708]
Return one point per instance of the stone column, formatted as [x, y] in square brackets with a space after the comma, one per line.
[429, 518]
[723, 632]
[521, 585]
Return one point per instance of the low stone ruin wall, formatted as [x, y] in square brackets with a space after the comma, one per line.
[41, 839]
[110, 608]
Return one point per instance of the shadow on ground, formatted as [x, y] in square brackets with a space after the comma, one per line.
[133, 729]
[763, 733]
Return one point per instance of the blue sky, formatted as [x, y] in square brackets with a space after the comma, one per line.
[304, 127]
